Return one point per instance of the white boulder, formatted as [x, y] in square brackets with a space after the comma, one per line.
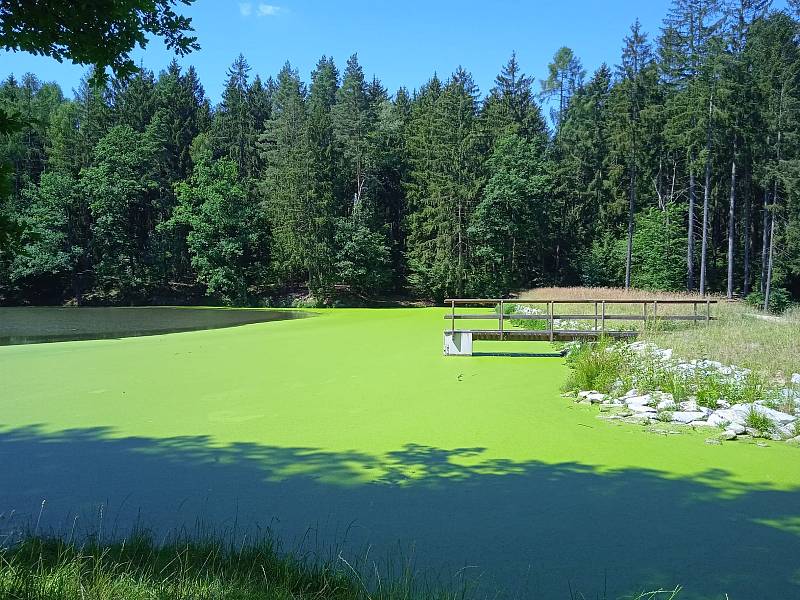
[639, 400]
[683, 416]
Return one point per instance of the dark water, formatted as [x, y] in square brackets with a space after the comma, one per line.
[35, 325]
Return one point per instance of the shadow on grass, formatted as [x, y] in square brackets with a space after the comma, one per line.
[529, 529]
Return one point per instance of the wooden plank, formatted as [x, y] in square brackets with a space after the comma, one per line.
[521, 317]
[572, 301]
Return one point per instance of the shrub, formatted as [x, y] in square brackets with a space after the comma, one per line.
[779, 300]
[759, 421]
[595, 366]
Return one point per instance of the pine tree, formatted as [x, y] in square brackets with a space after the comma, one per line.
[565, 77]
[285, 186]
[444, 182]
[508, 228]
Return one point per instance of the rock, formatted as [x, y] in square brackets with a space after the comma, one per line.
[716, 419]
[723, 403]
[586, 393]
[794, 440]
[729, 434]
[700, 424]
[705, 410]
[596, 397]
[666, 405]
[775, 415]
[682, 416]
[609, 404]
[642, 408]
[786, 431]
[796, 378]
[689, 405]
[728, 415]
[737, 428]
[631, 393]
[639, 400]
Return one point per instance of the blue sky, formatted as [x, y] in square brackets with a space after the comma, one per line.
[403, 43]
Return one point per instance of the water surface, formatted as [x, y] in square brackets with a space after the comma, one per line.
[35, 325]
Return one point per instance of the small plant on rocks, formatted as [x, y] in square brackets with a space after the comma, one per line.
[759, 421]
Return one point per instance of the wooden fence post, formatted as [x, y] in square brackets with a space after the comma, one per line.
[603, 317]
[502, 318]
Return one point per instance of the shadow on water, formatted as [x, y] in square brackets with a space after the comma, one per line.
[35, 325]
[523, 354]
[529, 528]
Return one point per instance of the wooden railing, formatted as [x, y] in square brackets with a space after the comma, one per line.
[599, 315]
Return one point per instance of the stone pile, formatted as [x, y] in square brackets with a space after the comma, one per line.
[732, 419]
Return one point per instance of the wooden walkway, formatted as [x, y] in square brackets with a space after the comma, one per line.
[557, 324]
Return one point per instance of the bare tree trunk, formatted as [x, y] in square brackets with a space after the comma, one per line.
[768, 285]
[764, 241]
[631, 206]
[706, 194]
[690, 243]
[748, 240]
[704, 242]
[731, 224]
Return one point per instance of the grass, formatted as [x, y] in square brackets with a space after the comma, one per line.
[43, 568]
[593, 368]
[760, 422]
[354, 416]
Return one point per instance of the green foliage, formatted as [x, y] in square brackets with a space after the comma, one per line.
[101, 33]
[593, 367]
[759, 421]
[508, 224]
[604, 262]
[362, 258]
[119, 188]
[469, 195]
[225, 232]
[779, 300]
[55, 239]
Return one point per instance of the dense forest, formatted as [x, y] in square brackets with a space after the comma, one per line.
[676, 168]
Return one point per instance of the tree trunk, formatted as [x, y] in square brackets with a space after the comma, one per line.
[748, 240]
[690, 243]
[764, 241]
[768, 284]
[704, 243]
[631, 206]
[731, 225]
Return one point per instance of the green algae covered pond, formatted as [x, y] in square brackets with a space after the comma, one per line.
[352, 429]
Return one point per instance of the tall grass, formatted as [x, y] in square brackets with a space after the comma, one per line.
[138, 569]
[593, 368]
